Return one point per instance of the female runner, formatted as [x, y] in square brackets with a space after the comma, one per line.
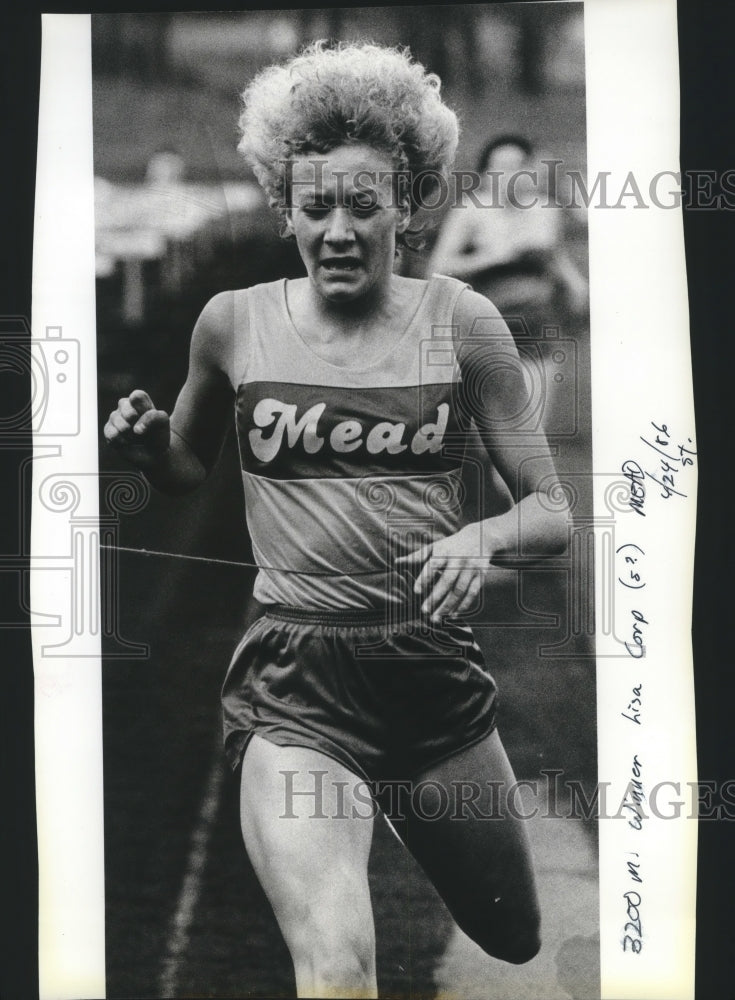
[353, 390]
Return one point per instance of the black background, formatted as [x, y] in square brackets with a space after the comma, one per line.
[708, 142]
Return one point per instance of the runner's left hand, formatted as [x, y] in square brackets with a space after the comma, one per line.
[452, 572]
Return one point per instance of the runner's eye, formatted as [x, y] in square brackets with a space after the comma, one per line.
[365, 204]
[317, 210]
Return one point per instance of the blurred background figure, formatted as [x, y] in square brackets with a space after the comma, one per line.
[507, 240]
[166, 167]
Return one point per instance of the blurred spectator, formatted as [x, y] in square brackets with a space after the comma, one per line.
[507, 241]
[165, 168]
[515, 256]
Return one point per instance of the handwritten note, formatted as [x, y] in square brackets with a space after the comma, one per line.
[663, 460]
[658, 474]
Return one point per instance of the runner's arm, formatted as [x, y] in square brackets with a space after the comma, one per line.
[177, 453]
[498, 396]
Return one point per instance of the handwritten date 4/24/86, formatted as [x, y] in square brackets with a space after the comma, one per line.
[633, 930]
[672, 459]
[670, 463]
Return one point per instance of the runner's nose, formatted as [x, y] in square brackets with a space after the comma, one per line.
[339, 227]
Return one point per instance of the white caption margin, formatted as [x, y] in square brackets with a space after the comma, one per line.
[640, 373]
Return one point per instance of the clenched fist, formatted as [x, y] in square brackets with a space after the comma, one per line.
[138, 430]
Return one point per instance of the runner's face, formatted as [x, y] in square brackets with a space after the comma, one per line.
[345, 215]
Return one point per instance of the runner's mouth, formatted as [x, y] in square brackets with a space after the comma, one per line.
[337, 264]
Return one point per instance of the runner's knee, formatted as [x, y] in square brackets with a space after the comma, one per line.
[519, 949]
[514, 938]
[336, 955]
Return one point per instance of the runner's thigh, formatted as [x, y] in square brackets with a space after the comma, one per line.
[481, 866]
[307, 826]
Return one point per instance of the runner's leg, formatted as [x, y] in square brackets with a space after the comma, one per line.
[481, 866]
[307, 826]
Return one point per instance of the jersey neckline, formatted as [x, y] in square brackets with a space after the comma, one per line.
[349, 368]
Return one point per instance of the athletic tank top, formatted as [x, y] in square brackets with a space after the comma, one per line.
[346, 469]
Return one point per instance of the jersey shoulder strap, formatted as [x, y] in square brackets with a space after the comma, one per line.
[258, 329]
[442, 297]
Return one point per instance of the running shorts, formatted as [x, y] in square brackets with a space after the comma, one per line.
[385, 700]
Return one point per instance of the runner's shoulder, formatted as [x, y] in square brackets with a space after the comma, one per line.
[227, 314]
[222, 322]
[480, 334]
[218, 317]
[478, 320]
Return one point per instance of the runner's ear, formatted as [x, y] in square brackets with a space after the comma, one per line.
[404, 214]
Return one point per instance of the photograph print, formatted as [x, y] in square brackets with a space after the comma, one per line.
[343, 374]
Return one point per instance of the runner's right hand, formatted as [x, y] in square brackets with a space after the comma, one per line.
[138, 430]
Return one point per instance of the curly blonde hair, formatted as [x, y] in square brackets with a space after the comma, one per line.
[350, 92]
